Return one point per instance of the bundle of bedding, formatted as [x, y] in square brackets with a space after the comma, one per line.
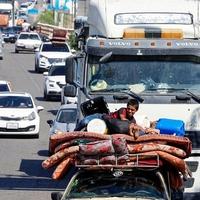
[92, 149]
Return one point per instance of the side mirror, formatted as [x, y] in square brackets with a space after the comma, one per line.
[70, 91]
[45, 73]
[70, 70]
[40, 108]
[73, 51]
[50, 122]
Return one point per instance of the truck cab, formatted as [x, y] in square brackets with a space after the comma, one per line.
[158, 65]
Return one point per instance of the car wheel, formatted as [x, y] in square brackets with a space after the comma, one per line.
[36, 68]
[36, 136]
[46, 96]
[16, 51]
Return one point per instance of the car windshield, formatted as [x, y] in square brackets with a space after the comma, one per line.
[4, 87]
[57, 71]
[29, 36]
[67, 116]
[55, 47]
[15, 102]
[94, 184]
[145, 73]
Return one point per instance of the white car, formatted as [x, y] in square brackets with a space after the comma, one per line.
[27, 41]
[50, 53]
[19, 114]
[54, 80]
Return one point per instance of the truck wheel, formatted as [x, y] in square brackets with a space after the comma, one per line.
[16, 51]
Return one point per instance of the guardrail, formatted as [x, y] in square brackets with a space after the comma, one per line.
[47, 29]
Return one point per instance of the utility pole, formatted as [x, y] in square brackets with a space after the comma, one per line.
[13, 12]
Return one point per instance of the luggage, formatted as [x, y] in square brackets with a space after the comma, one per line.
[59, 35]
[96, 105]
[171, 126]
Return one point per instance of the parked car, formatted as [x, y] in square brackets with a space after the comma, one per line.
[5, 86]
[54, 80]
[19, 114]
[27, 41]
[65, 120]
[50, 53]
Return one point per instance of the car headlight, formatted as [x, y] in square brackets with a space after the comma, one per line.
[30, 117]
[43, 59]
[51, 83]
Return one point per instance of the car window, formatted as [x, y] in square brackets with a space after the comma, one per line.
[29, 36]
[23, 36]
[34, 37]
[15, 102]
[57, 71]
[4, 87]
[67, 116]
[55, 47]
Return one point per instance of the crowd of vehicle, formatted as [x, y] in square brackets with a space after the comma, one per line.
[49, 57]
[153, 76]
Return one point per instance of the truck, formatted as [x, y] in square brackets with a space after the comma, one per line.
[4, 20]
[6, 9]
[144, 53]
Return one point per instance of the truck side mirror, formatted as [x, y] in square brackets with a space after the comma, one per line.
[70, 91]
[70, 70]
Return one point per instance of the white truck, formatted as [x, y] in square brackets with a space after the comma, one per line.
[150, 54]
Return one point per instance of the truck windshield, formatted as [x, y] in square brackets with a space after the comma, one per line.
[106, 185]
[145, 74]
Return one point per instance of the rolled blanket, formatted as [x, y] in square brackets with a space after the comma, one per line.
[57, 157]
[57, 139]
[147, 147]
[62, 168]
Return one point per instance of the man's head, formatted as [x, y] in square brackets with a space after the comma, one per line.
[132, 107]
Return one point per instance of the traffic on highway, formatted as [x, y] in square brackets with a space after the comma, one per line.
[117, 118]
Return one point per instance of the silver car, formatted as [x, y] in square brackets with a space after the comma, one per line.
[65, 120]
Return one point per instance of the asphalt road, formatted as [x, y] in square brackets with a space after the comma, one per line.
[21, 174]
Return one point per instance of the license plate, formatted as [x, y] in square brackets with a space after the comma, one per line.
[12, 125]
[29, 46]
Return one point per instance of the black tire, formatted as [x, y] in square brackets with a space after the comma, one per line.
[36, 136]
[36, 68]
[16, 51]
[46, 97]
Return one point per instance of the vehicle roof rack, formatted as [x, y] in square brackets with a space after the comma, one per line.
[127, 161]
